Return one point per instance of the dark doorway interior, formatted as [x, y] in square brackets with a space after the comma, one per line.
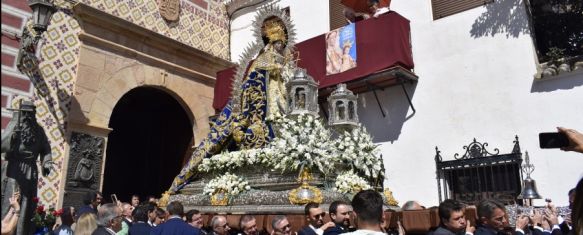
[145, 150]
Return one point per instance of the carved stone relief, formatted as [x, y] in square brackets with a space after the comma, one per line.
[169, 9]
[84, 168]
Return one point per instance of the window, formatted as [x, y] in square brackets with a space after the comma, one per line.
[479, 174]
[558, 30]
[443, 8]
[337, 19]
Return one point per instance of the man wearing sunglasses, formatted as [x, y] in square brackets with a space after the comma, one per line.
[280, 225]
[315, 216]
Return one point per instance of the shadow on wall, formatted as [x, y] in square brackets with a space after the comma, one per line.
[76, 114]
[569, 81]
[502, 17]
[394, 104]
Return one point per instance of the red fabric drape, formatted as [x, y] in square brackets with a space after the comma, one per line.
[381, 43]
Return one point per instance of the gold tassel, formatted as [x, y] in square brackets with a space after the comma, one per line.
[163, 202]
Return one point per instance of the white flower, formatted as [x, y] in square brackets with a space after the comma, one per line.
[231, 183]
[348, 182]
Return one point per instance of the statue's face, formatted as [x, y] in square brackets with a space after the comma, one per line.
[27, 118]
[278, 46]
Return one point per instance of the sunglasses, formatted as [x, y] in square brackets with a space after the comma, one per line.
[285, 228]
[321, 215]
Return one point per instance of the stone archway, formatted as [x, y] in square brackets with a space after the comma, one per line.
[98, 92]
[149, 140]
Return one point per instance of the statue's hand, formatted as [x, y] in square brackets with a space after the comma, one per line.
[47, 166]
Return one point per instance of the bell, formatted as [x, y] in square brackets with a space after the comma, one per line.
[529, 190]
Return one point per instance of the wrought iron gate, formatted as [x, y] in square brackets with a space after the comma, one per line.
[480, 174]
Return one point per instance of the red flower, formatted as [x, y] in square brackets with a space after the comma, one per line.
[35, 199]
[40, 209]
[58, 212]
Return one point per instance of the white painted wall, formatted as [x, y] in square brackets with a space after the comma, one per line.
[309, 21]
[469, 86]
[473, 86]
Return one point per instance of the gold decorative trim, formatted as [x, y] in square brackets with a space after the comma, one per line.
[295, 199]
[294, 195]
[390, 199]
[220, 201]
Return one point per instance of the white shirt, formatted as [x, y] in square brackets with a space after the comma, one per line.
[317, 230]
[364, 232]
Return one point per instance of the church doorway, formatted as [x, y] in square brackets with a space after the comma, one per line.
[150, 138]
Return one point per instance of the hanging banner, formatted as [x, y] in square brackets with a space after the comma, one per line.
[340, 49]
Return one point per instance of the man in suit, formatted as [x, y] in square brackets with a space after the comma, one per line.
[248, 225]
[315, 216]
[219, 225]
[175, 225]
[280, 225]
[453, 220]
[127, 221]
[194, 218]
[340, 214]
[108, 220]
[492, 217]
[140, 226]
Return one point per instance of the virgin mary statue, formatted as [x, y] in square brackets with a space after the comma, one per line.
[258, 95]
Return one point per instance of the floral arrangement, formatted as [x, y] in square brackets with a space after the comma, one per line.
[302, 142]
[230, 183]
[231, 160]
[356, 148]
[349, 182]
[42, 217]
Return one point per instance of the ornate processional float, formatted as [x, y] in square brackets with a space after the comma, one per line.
[268, 149]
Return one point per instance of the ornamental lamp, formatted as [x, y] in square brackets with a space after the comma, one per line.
[342, 108]
[42, 10]
[529, 191]
[303, 93]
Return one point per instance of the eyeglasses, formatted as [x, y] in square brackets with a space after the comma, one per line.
[321, 215]
[284, 228]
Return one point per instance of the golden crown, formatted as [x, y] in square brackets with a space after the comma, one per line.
[274, 31]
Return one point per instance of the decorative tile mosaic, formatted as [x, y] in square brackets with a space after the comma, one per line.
[59, 55]
[204, 29]
[58, 64]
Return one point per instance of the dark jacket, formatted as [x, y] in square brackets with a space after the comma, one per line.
[175, 226]
[100, 230]
[441, 230]
[140, 228]
[335, 230]
[307, 231]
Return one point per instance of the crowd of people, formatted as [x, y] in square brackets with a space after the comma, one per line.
[363, 216]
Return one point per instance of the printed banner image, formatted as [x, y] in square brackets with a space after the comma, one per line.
[340, 49]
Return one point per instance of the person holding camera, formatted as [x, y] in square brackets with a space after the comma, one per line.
[575, 139]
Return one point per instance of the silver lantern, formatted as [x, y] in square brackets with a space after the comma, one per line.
[303, 94]
[342, 107]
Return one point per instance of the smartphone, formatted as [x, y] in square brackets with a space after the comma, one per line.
[114, 198]
[550, 140]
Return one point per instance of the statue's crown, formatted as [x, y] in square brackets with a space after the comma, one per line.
[274, 30]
